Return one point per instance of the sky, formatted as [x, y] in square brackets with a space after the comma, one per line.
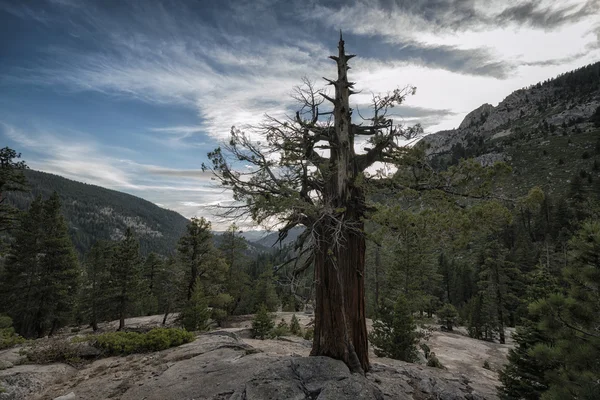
[131, 95]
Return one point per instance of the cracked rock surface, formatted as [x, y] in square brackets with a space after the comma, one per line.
[220, 365]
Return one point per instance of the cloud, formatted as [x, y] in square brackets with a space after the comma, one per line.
[77, 157]
[547, 15]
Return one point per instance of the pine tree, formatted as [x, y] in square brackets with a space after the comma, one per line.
[171, 288]
[447, 315]
[42, 272]
[265, 294]
[394, 332]
[11, 180]
[151, 267]
[262, 324]
[197, 254]
[126, 275]
[295, 325]
[195, 313]
[59, 264]
[22, 275]
[97, 290]
[572, 322]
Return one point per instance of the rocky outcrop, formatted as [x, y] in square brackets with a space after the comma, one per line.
[526, 109]
[220, 365]
[477, 117]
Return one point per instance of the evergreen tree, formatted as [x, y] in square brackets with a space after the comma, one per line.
[126, 275]
[295, 325]
[22, 275]
[171, 287]
[150, 274]
[394, 332]
[197, 254]
[262, 324]
[572, 323]
[195, 313]
[11, 180]
[59, 263]
[447, 315]
[42, 272]
[265, 294]
[97, 289]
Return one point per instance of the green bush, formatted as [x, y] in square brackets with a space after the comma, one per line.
[433, 361]
[262, 325]
[309, 334]
[8, 337]
[120, 343]
[282, 329]
[5, 321]
[295, 328]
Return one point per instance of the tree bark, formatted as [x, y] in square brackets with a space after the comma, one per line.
[340, 325]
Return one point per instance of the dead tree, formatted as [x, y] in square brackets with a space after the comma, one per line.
[305, 171]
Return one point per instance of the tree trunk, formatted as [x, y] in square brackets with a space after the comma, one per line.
[164, 321]
[122, 314]
[340, 327]
[377, 265]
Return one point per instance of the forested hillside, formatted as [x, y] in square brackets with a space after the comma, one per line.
[548, 133]
[94, 213]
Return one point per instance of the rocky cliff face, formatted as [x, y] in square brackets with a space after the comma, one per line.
[565, 103]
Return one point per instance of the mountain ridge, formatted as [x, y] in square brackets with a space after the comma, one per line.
[97, 213]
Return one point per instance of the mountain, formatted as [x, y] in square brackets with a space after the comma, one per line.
[95, 213]
[269, 240]
[545, 132]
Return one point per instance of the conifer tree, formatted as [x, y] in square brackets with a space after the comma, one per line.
[394, 332]
[59, 263]
[11, 180]
[97, 289]
[262, 324]
[22, 275]
[150, 274]
[265, 294]
[171, 287]
[197, 254]
[42, 272]
[195, 313]
[572, 322]
[126, 275]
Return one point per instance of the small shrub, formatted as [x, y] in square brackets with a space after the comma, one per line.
[585, 155]
[309, 334]
[5, 321]
[433, 361]
[561, 161]
[8, 337]
[121, 343]
[219, 315]
[486, 365]
[295, 325]
[282, 329]
[426, 350]
[54, 350]
[262, 325]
